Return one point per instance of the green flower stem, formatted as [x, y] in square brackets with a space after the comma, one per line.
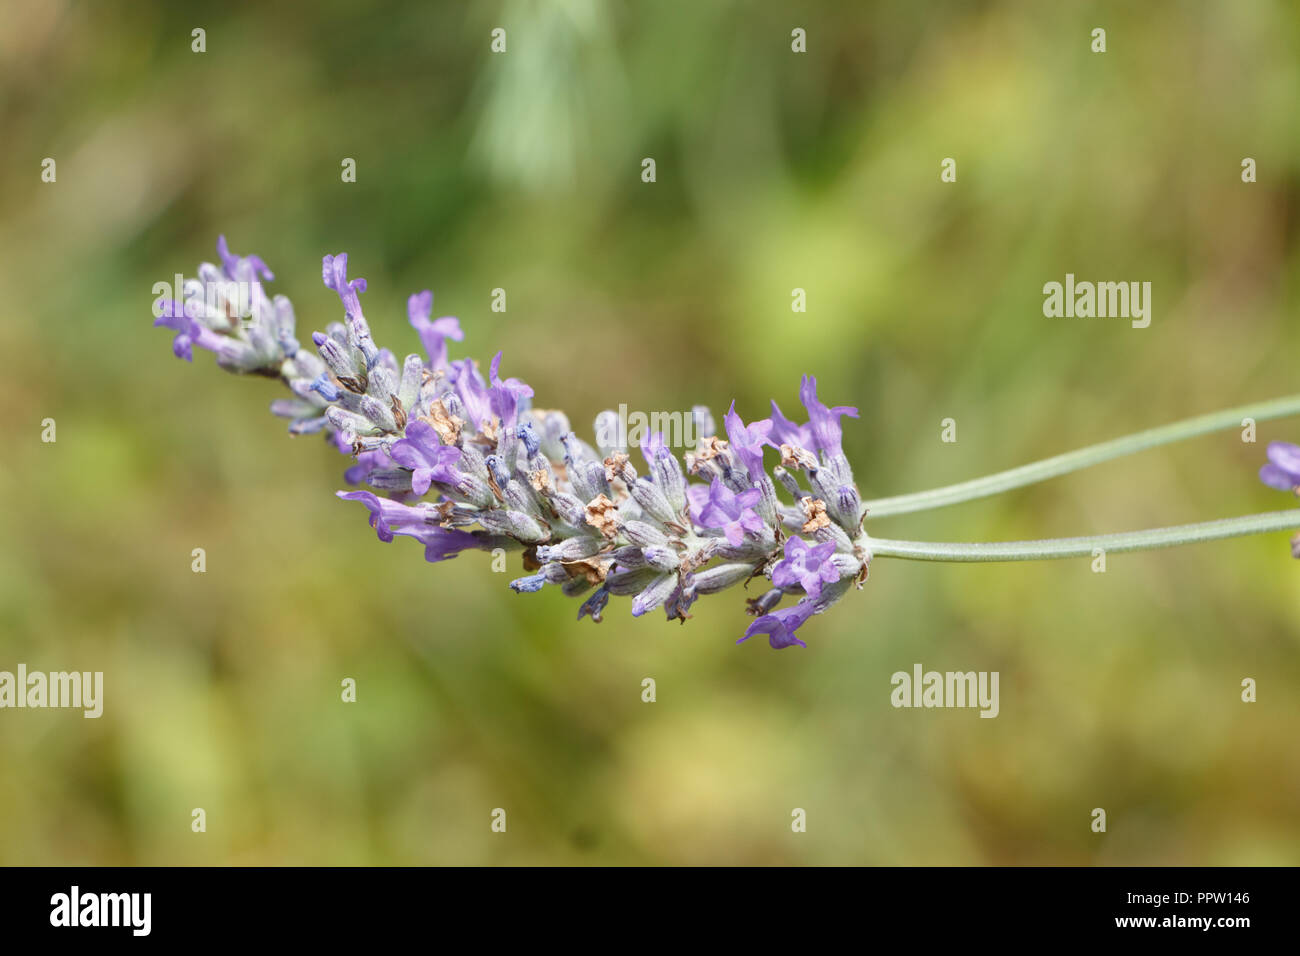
[1082, 458]
[1086, 546]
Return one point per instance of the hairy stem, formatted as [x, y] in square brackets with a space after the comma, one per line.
[1082, 458]
[1086, 546]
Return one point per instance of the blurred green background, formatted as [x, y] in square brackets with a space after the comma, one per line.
[775, 170]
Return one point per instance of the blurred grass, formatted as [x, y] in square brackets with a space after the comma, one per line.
[775, 171]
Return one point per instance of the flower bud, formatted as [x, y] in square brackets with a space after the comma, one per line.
[528, 435]
[833, 532]
[308, 426]
[285, 325]
[848, 506]
[654, 594]
[763, 605]
[610, 437]
[667, 474]
[381, 415]
[665, 559]
[569, 509]
[789, 483]
[680, 601]
[652, 500]
[630, 557]
[722, 576]
[570, 549]
[520, 526]
[644, 535]
[324, 387]
[390, 479]
[340, 363]
[594, 606]
[517, 497]
[846, 564]
[630, 581]
[382, 384]
[346, 421]
[497, 469]
[549, 574]
[408, 389]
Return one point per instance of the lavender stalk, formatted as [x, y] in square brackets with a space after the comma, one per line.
[1088, 545]
[1083, 458]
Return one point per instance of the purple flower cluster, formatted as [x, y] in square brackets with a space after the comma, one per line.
[460, 461]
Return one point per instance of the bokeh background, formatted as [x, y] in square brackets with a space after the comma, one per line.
[775, 171]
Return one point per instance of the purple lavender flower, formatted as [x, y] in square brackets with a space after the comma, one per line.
[520, 478]
[472, 392]
[747, 441]
[822, 432]
[728, 510]
[334, 272]
[809, 566]
[189, 332]
[390, 518]
[1283, 470]
[506, 397]
[441, 544]
[232, 352]
[387, 517]
[433, 334]
[367, 462]
[825, 422]
[780, 625]
[241, 269]
[429, 460]
[786, 432]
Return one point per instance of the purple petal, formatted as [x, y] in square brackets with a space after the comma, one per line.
[652, 443]
[697, 497]
[384, 513]
[824, 422]
[472, 392]
[334, 273]
[505, 396]
[433, 334]
[780, 625]
[367, 462]
[1278, 478]
[786, 432]
[241, 268]
[747, 441]
[1285, 455]
[785, 575]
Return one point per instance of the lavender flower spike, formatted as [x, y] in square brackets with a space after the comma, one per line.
[457, 461]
